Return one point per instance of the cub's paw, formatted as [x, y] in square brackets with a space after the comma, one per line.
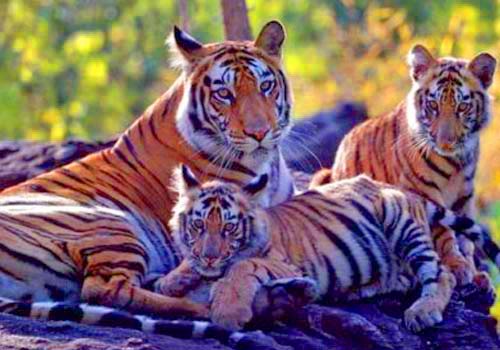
[175, 285]
[228, 307]
[424, 313]
[460, 267]
[231, 316]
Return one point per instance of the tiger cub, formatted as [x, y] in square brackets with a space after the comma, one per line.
[429, 143]
[355, 238]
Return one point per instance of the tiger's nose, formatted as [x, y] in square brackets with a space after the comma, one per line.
[209, 260]
[257, 135]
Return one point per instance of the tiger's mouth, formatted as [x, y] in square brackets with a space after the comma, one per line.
[210, 271]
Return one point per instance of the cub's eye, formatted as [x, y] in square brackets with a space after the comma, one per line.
[198, 223]
[266, 86]
[224, 93]
[230, 227]
[433, 104]
[462, 107]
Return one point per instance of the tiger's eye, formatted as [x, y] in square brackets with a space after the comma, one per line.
[230, 227]
[433, 104]
[223, 93]
[198, 223]
[462, 107]
[265, 86]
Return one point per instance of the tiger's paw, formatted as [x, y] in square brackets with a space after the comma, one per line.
[230, 316]
[228, 308]
[176, 284]
[460, 267]
[279, 297]
[424, 313]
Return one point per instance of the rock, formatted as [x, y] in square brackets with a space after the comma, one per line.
[313, 141]
[22, 160]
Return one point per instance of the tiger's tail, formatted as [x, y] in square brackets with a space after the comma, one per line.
[465, 226]
[109, 317]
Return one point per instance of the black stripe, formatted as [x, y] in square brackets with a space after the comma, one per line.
[436, 169]
[65, 312]
[27, 259]
[119, 319]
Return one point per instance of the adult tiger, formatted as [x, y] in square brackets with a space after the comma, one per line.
[429, 143]
[96, 230]
[355, 238]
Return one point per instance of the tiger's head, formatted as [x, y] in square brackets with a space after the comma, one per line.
[449, 104]
[236, 102]
[215, 223]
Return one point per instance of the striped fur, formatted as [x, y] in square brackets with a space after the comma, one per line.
[428, 144]
[355, 238]
[96, 230]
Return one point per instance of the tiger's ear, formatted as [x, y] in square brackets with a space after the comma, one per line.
[420, 60]
[185, 49]
[483, 67]
[271, 38]
[256, 186]
[187, 180]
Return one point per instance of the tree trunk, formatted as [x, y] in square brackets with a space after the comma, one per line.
[183, 11]
[236, 23]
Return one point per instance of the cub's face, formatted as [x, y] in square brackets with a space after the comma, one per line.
[449, 103]
[215, 225]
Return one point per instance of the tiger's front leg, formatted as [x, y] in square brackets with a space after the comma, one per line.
[232, 297]
[113, 278]
[447, 246]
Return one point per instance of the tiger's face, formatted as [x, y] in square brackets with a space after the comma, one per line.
[215, 223]
[236, 103]
[449, 103]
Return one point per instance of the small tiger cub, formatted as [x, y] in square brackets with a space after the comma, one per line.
[355, 238]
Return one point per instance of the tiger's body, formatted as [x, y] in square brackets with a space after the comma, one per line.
[96, 230]
[429, 144]
[355, 238]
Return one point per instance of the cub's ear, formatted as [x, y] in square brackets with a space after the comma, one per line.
[186, 181]
[257, 185]
[483, 67]
[271, 38]
[185, 49]
[420, 60]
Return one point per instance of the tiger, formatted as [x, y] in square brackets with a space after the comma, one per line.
[355, 237]
[428, 144]
[96, 230]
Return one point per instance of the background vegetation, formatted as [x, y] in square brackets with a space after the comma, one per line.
[87, 68]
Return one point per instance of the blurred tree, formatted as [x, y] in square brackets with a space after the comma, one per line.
[236, 24]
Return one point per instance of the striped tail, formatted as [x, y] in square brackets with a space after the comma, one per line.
[468, 227]
[109, 317]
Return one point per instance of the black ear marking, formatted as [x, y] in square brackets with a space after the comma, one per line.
[185, 41]
[189, 178]
[257, 185]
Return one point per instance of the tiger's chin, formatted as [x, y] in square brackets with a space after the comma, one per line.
[209, 272]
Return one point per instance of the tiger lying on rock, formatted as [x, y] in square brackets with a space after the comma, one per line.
[356, 238]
